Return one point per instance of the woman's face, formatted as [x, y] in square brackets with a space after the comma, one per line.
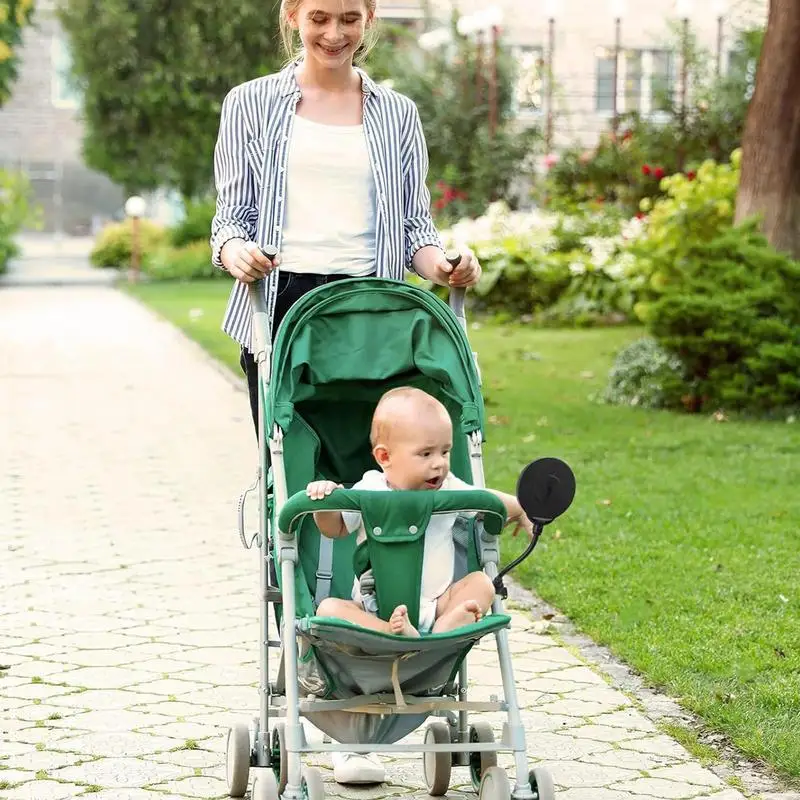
[331, 30]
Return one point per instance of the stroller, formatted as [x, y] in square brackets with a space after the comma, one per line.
[338, 350]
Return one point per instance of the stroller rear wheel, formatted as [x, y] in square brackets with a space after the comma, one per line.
[278, 755]
[312, 785]
[237, 761]
[265, 786]
[437, 766]
[480, 732]
[495, 785]
[541, 784]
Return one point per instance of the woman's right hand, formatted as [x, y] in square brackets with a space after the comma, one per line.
[246, 262]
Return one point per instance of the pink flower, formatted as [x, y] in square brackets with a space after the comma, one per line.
[551, 159]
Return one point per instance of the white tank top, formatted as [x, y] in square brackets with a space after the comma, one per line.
[329, 227]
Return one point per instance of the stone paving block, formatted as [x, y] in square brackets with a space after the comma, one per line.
[107, 677]
[10, 777]
[110, 720]
[104, 699]
[43, 790]
[655, 787]
[166, 687]
[567, 774]
[110, 773]
[118, 744]
[688, 772]
[603, 733]
[196, 758]
[47, 760]
[196, 787]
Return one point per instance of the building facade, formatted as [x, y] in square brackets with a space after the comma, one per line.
[41, 130]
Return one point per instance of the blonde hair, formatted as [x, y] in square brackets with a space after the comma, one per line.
[405, 404]
[294, 50]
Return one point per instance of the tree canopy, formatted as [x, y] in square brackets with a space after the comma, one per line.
[14, 16]
[153, 75]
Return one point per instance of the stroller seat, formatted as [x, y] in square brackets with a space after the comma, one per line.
[344, 661]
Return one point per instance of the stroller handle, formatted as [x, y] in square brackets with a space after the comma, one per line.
[258, 300]
[477, 500]
[457, 293]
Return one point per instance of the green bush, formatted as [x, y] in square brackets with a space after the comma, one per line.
[16, 210]
[729, 311]
[552, 268]
[196, 225]
[187, 263]
[112, 248]
[694, 210]
[641, 375]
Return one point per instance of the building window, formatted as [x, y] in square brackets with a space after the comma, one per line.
[64, 92]
[530, 79]
[604, 90]
[645, 85]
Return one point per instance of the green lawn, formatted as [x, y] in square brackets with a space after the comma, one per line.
[681, 549]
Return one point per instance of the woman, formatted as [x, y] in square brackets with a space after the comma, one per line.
[329, 168]
[326, 166]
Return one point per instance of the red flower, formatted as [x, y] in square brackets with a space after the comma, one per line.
[691, 175]
[627, 135]
[640, 215]
[659, 173]
[440, 185]
[600, 200]
[646, 169]
[440, 204]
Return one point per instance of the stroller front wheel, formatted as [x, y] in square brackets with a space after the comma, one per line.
[542, 784]
[237, 761]
[278, 759]
[312, 785]
[265, 786]
[495, 785]
[480, 732]
[437, 766]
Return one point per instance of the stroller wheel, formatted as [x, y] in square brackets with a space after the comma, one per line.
[541, 784]
[437, 766]
[312, 785]
[481, 733]
[265, 786]
[237, 761]
[495, 785]
[278, 756]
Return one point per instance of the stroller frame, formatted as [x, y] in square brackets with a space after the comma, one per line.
[467, 746]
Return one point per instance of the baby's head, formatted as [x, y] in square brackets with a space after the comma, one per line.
[412, 437]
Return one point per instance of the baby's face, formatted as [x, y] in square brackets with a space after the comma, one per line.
[419, 458]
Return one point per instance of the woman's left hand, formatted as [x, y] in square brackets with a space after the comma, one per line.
[467, 273]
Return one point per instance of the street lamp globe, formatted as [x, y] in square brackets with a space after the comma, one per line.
[135, 206]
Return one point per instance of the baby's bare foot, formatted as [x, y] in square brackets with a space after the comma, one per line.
[463, 614]
[399, 623]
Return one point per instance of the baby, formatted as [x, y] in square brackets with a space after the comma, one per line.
[411, 438]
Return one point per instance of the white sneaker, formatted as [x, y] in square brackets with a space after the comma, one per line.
[357, 768]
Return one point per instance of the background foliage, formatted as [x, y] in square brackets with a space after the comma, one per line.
[14, 16]
[154, 74]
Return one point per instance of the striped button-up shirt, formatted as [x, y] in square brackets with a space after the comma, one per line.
[250, 166]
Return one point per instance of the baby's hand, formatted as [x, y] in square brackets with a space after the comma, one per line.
[319, 490]
[523, 522]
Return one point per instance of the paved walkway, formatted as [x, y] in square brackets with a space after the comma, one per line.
[128, 608]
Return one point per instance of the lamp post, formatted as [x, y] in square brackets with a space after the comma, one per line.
[487, 21]
[135, 207]
[720, 7]
[551, 9]
[684, 9]
[617, 11]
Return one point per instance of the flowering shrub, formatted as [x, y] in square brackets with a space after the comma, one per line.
[551, 267]
[695, 208]
[16, 210]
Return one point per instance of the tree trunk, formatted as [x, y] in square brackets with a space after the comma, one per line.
[770, 179]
